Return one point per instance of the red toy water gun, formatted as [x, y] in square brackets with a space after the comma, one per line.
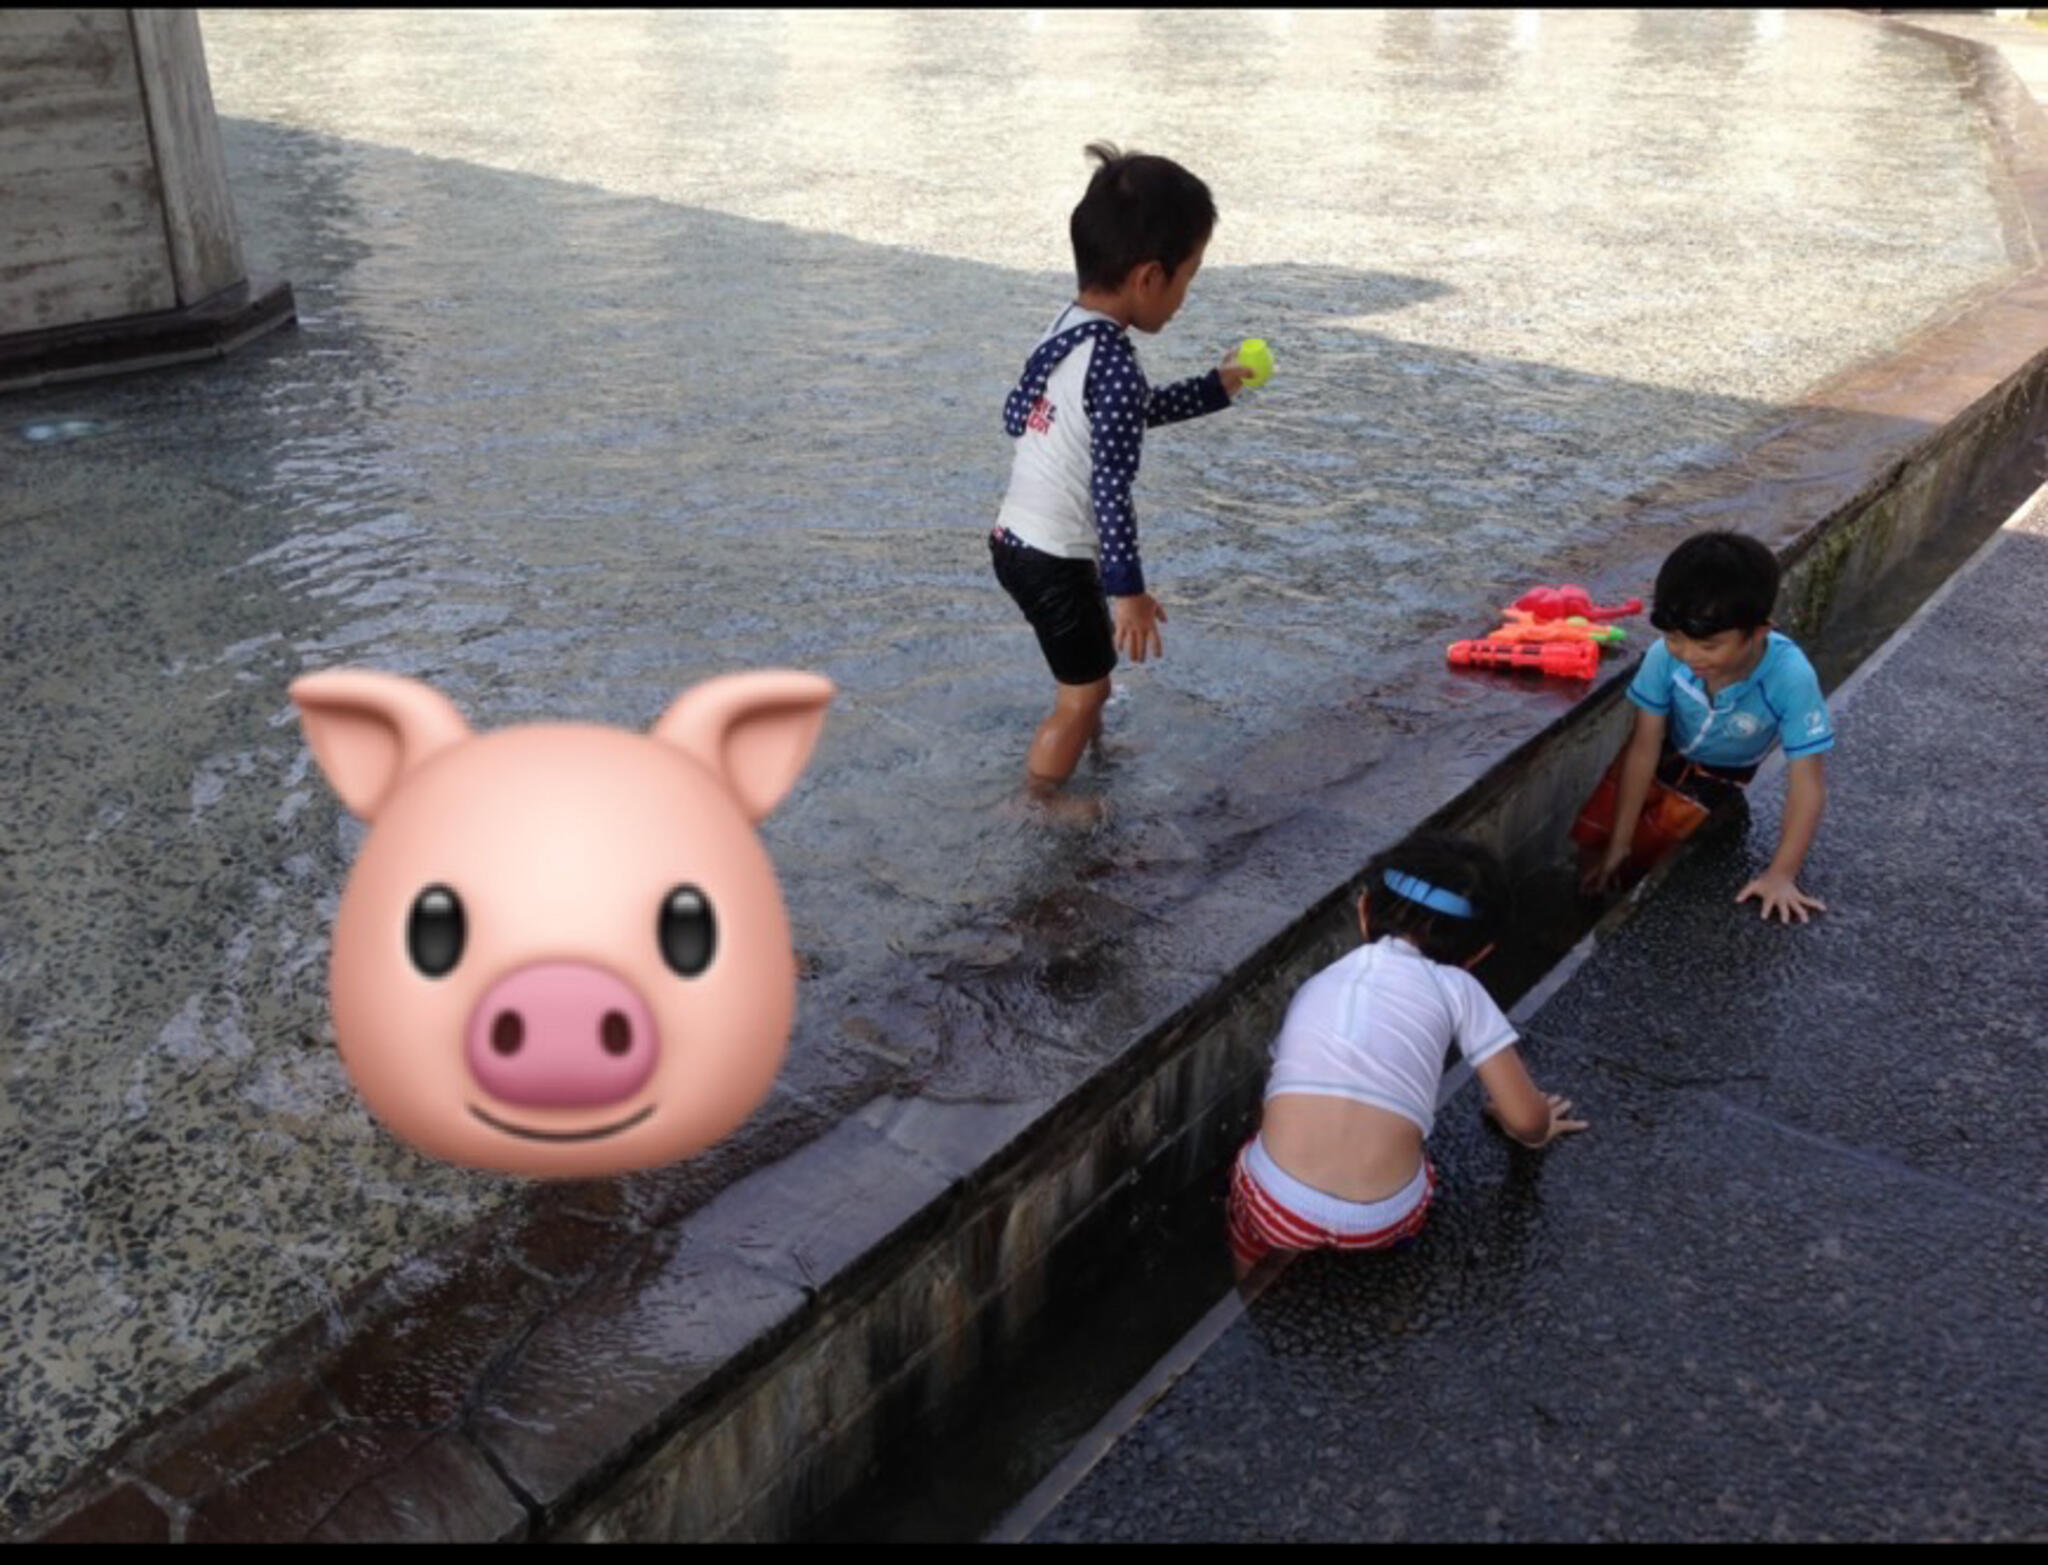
[1548, 603]
[1566, 659]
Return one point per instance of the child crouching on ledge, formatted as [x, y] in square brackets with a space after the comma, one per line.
[1338, 1160]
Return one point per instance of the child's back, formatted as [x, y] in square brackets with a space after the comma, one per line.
[1360, 1059]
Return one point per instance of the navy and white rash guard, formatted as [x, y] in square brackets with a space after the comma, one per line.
[1079, 414]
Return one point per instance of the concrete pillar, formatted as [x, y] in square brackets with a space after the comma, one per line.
[119, 248]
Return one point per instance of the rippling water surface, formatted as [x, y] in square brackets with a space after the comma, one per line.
[637, 347]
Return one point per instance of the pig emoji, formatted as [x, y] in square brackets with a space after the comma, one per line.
[562, 951]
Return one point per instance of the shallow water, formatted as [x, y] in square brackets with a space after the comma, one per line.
[638, 347]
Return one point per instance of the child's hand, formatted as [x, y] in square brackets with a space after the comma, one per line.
[1138, 619]
[1599, 876]
[1561, 1122]
[1234, 374]
[1779, 895]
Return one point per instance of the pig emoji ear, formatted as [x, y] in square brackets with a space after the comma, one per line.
[754, 731]
[368, 730]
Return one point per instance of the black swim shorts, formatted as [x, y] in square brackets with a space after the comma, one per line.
[1063, 601]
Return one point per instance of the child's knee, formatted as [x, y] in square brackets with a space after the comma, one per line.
[1084, 700]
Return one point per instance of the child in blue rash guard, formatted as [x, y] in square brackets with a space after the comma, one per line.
[1066, 534]
[1338, 1161]
[1713, 699]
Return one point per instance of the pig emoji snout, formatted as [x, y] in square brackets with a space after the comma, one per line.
[562, 950]
[561, 1035]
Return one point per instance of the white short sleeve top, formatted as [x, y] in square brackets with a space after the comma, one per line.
[1376, 1025]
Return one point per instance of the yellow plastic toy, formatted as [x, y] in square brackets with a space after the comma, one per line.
[1254, 355]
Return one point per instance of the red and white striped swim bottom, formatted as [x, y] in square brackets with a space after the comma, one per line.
[1271, 1210]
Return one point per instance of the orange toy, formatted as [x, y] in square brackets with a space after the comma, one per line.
[1521, 625]
[1566, 659]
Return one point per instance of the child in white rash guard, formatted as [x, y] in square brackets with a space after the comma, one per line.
[1338, 1160]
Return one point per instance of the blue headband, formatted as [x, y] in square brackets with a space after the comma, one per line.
[1421, 891]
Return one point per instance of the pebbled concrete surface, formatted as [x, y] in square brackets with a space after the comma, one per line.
[1791, 1283]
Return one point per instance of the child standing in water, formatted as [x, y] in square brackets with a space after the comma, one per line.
[1338, 1160]
[1066, 535]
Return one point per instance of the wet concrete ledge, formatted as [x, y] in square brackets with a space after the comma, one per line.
[611, 1361]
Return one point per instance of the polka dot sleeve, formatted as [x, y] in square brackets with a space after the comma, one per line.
[1186, 399]
[1030, 387]
[1116, 398]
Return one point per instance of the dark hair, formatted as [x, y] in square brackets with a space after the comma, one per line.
[1138, 208]
[1464, 869]
[1714, 582]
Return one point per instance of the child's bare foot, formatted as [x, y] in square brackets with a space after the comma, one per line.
[1069, 809]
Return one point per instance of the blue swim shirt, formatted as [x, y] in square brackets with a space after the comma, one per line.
[1778, 704]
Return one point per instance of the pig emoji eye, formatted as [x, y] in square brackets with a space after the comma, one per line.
[688, 932]
[433, 935]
